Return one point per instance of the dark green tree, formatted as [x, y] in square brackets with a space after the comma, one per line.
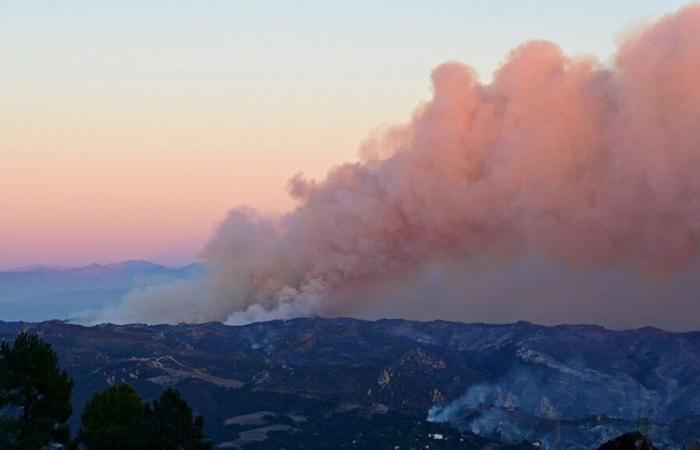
[172, 426]
[117, 419]
[34, 395]
[113, 420]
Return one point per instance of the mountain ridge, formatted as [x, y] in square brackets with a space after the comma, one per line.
[565, 326]
[576, 386]
[45, 293]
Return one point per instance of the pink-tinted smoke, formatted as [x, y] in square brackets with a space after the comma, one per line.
[587, 164]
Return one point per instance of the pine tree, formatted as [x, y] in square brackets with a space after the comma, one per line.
[113, 420]
[34, 395]
[172, 425]
[117, 419]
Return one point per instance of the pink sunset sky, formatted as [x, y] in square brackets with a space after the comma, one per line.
[128, 132]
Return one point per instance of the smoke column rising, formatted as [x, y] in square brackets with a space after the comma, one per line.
[586, 164]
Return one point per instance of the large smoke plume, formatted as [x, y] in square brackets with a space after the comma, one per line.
[587, 164]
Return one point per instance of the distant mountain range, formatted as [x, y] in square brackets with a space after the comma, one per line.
[346, 383]
[43, 292]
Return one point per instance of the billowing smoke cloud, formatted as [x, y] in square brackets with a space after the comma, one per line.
[568, 159]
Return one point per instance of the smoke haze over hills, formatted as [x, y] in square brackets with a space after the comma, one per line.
[562, 190]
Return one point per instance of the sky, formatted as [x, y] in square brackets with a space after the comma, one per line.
[130, 128]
